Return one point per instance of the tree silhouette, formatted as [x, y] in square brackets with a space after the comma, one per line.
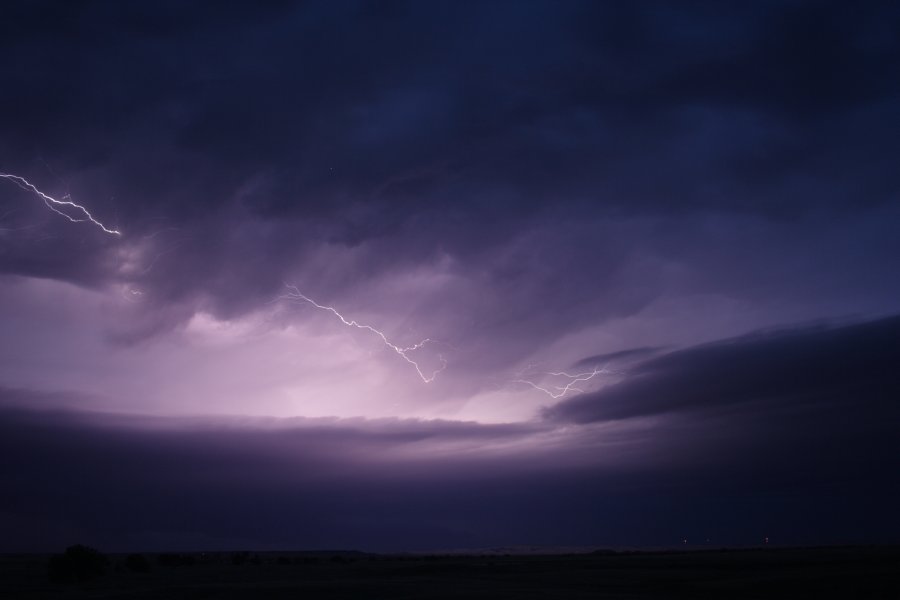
[78, 564]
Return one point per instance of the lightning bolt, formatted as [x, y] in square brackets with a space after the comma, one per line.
[53, 204]
[558, 391]
[295, 295]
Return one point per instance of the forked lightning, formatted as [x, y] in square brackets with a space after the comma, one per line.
[54, 204]
[295, 295]
[558, 391]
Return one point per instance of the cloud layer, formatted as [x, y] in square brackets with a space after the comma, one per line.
[699, 200]
[793, 438]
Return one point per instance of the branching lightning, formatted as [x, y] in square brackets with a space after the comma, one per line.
[54, 204]
[558, 391]
[295, 295]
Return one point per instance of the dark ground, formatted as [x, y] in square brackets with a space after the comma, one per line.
[847, 572]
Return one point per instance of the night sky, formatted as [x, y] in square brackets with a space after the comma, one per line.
[432, 275]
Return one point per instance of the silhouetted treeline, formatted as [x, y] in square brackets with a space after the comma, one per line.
[137, 563]
[169, 559]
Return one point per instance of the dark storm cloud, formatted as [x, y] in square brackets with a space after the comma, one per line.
[630, 354]
[426, 128]
[312, 482]
[779, 413]
[129, 481]
[846, 372]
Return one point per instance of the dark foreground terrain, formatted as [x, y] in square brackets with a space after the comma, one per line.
[848, 573]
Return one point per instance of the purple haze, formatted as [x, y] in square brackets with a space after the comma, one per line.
[697, 206]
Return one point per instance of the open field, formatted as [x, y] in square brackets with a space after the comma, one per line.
[846, 572]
